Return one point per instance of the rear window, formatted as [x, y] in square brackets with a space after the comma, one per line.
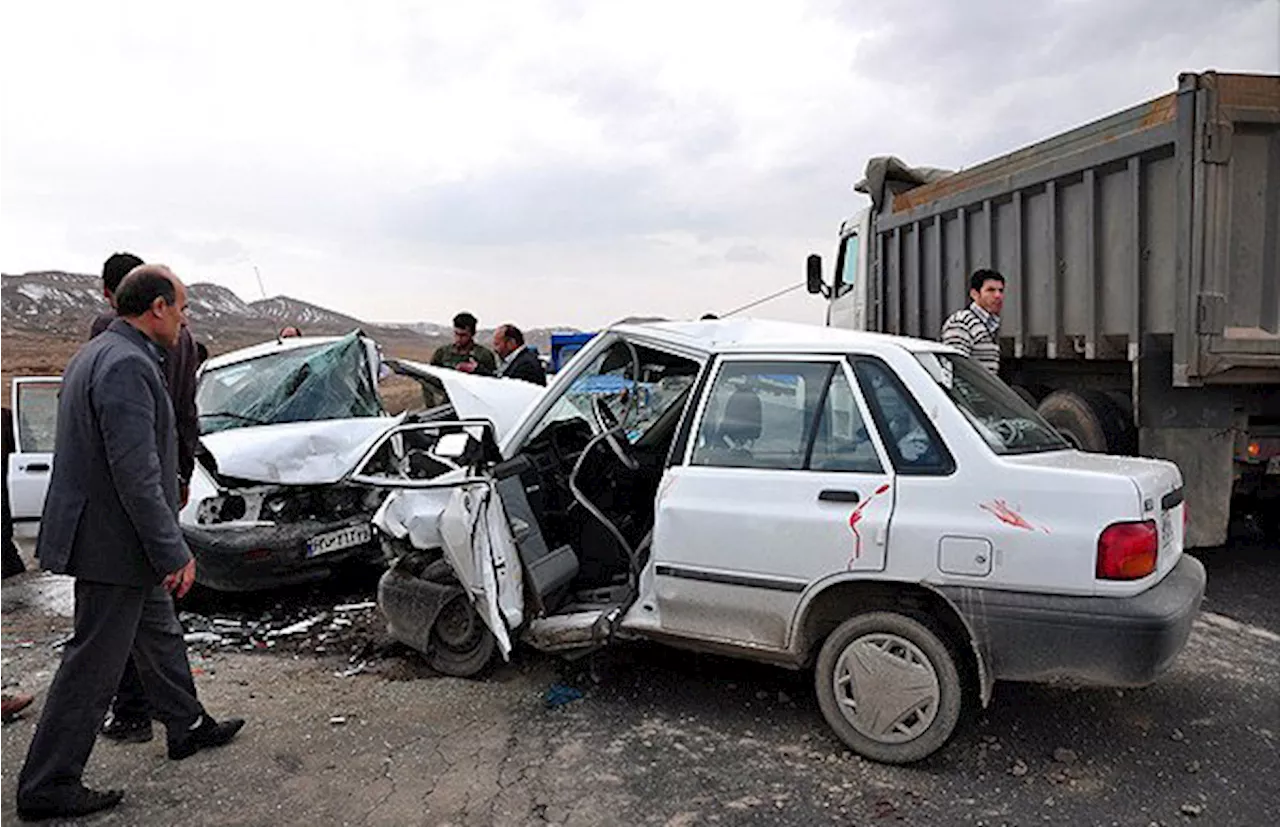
[1002, 418]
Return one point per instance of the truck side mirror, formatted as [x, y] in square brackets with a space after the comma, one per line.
[813, 274]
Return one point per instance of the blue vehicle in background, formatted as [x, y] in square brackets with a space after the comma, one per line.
[563, 348]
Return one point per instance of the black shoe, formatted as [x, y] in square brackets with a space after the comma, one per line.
[209, 733]
[80, 802]
[127, 730]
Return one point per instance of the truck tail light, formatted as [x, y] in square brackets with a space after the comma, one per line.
[1127, 551]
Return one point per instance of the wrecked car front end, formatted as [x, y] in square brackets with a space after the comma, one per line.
[285, 424]
[282, 425]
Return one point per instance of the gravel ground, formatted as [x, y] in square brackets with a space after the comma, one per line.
[351, 729]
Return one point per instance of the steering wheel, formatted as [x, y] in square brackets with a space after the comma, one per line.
[609, 425]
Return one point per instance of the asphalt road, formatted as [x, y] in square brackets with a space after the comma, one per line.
[664, 737]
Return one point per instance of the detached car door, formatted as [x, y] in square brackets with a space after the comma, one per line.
[35, 426]
[784, 483]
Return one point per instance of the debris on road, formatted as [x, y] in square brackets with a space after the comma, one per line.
[338, 720]
[1018, 769]
[1192, 810]
[559, 695]
[1065, 756]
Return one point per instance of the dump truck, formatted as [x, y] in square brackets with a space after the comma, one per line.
[1141, 254]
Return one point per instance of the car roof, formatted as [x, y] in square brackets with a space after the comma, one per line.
[266, 349]
[756, 335]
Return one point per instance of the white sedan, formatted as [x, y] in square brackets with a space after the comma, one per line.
[878, 509]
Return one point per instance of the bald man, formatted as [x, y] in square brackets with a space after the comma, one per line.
[111, 521]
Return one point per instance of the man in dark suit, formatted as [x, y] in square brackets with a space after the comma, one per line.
[130, 719]
[111, 521]
[516, 360]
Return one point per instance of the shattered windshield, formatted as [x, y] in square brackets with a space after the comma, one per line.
[1003, 419]
[664, 379]
[324, 381]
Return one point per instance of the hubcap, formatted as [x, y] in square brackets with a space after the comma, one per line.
[886, 688]
[457, 626]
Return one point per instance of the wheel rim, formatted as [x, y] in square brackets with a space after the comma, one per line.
[458, 627]
[886, 688]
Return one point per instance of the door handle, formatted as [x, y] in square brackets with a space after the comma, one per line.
[37, 467]
[833, 495]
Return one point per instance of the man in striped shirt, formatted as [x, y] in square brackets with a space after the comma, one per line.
[974, 331]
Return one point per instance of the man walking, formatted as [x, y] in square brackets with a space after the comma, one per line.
[465, 354]
[110, 521]
[974, 331]
[518, 362]
[130, 719]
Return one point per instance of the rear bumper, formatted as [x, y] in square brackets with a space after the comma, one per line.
[1110, 641]
[249, 559]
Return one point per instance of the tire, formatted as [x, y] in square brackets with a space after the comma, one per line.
[1090, 421]
[461, 645]
[919, 656]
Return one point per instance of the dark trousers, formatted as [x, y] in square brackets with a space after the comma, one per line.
[131, 695]
[110, 621]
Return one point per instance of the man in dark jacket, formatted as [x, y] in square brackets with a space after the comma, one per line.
[110, 521]
[130, 719]
[517, 361]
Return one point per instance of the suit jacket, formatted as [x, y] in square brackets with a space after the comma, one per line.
[111, 513]
[526, 366]
[180, 364]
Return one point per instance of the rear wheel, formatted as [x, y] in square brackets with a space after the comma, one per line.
[1090, 421]
[889, 687]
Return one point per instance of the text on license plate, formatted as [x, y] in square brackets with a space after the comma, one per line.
[355, 535]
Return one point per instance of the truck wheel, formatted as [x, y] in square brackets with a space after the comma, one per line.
[1089, 421]
[889, 687]
[461, 645]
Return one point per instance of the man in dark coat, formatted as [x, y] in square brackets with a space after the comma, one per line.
[110, 521]
[130, 719]
[517, 361]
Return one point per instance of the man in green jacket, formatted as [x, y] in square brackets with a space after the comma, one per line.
[465, 354]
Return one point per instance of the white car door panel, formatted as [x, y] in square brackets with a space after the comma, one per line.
[785, 485]
[35, 425]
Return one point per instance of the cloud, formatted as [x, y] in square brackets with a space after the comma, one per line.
[581, 161]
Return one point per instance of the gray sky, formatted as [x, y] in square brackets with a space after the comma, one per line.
[551, 162]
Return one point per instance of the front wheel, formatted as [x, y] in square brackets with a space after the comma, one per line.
[461, 645]
[889, 687]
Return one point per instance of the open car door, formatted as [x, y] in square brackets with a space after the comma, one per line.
[441, 500]
[35, 426]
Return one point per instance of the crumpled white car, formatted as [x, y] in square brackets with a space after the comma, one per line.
[880, 510]
[283, 425]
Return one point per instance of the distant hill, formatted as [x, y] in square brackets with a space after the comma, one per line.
[62, 305]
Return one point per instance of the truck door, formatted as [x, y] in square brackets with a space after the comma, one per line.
[35, 425]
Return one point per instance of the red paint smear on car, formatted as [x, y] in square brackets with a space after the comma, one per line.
[856, 517]
[1007, 515]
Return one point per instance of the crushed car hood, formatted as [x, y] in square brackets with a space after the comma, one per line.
[296, 453]
[501, 401]
[324, 452]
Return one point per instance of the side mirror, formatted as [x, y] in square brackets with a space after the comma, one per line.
[813, 275]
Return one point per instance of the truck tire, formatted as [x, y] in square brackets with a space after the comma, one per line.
[889, 687]
[1090, 421]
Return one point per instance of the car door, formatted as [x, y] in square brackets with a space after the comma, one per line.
[431, 465]
[783, 483]
[35, 426]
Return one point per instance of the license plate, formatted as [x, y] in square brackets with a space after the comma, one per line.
[1273, 465]
[355, 535]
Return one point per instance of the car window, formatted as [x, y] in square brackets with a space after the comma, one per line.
[842, 442]
[639, 400]
[1004, 421]
[37, 416]
[761, 415]
[913, 443]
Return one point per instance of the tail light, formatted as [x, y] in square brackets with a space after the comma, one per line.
[1127, 551]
